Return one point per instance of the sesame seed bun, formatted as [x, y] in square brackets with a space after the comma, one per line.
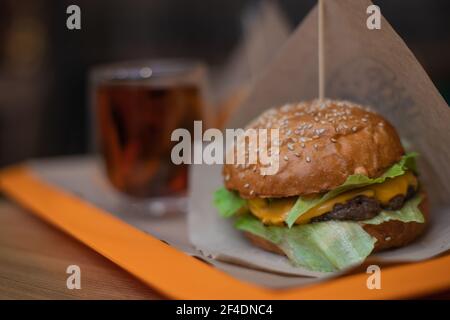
[321, 144]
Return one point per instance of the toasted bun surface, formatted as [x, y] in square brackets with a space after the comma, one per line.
[321, 144]
[393, 234]
[390, 234]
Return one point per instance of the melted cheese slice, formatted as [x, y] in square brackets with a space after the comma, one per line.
[274, 211]
[271, 212]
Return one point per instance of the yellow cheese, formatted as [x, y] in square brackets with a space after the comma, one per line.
[274, 211]
[392, 187]
[271, 212]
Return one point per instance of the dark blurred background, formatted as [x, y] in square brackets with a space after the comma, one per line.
[44, 67]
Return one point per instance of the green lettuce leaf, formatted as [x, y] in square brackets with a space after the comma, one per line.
[410, 212]
[328, 246]
[324, 246]
[227, 202]
[354, 181]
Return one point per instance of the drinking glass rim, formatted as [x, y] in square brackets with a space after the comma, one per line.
[141, 70]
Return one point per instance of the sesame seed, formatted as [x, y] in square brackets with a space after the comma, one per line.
[252, 192]
[308, 159]
[227, 177]
[380, 124]
[297, 154]
[388, 238]
[286, 158]
[364, 119]
[302, 144]
[290, 146]
[246, 185]
[286, 107]
[315, 146]
[320, 131]
[333, 140]
[354, 129]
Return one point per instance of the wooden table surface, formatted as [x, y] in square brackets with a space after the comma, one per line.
[34, 257]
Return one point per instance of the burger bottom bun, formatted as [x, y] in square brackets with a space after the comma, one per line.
[390, 234]
[394, 234]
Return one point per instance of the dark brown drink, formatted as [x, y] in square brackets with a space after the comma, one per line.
[136, 120]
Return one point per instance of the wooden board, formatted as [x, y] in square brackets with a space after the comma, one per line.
[34, 257]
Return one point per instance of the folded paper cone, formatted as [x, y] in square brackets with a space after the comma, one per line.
[360, 67]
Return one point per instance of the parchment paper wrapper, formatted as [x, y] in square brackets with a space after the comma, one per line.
[265, 29]
[371, 67]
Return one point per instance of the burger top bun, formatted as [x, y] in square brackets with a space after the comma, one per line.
[321, 144]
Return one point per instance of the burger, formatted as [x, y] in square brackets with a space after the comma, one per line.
[345, 187]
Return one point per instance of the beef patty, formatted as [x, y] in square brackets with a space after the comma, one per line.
[363, 208]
